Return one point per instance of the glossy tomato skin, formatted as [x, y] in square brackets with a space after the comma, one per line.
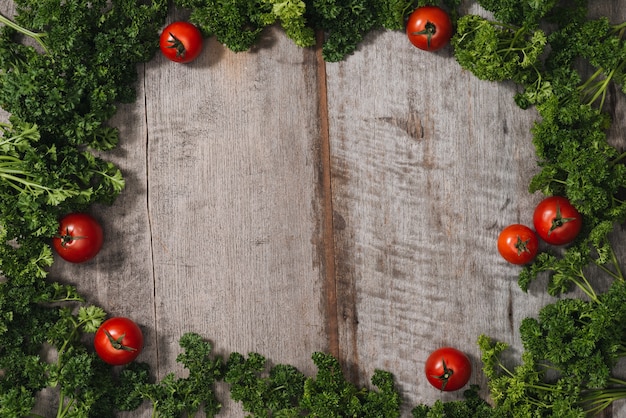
[79, 238]
[181, 42]
[518, 244]
[118, 341]
[557, 221]
[429, 28]
[448, 369]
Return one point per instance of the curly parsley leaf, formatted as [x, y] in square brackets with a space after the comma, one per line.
[175, 396]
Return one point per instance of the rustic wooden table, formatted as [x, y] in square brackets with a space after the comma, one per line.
[279, 204]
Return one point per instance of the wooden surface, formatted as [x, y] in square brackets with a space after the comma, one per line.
[279, 204]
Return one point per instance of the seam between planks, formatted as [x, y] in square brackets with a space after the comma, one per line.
[147, 155]
[328, 235]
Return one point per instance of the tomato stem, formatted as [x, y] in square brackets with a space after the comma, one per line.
[176, 44]
[559, 220]
[429, 30]
[67, 237]
[522, 246]
[117, 344]
[447, 374]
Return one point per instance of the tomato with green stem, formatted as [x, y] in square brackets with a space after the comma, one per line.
[118, 341]
[79, 239]
[448, 369]
[518, 244]
[557, 221]
[429, 28]
[181, 42]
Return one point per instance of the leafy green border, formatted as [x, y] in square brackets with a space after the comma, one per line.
[63, 87]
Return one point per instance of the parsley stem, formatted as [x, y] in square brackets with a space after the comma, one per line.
[619, 28]
[620, 275]
[14, 180]
[594, 89]
[64, 409]
[619, 158]
[609, 272]
[586, 287]
[597, 400]
[36, 36]
[617, 381]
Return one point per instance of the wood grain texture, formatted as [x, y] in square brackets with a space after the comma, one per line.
[281, 205]
[429, 164]
[232, 199]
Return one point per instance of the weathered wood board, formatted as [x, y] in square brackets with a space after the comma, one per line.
[218, 231]
[283, 205]
[429, 164]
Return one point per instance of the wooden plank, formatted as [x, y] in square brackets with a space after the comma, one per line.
[219, 228]
[120, 278]
[232, 202]
[426, 173]
[428, 164]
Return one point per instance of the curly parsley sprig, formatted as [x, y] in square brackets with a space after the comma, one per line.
[570, 351]
[284, 391]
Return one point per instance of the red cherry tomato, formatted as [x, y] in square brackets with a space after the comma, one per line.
[181, 42]
[557, 221]
[79, 239]
[118, 341]
[448, 369]
[518, 244]
[429, 28]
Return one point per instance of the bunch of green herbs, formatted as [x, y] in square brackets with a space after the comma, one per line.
[63, 68]
[238, 24]
[564, 65]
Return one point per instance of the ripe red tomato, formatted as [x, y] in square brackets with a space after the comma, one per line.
[181, 42]
[557, 221]
[118, 341]
[429, 28]
[448, 369]
[79, 239]
[518, 244]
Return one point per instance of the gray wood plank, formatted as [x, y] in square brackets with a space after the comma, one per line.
[232, 202]
[120, 278]
[428, 164]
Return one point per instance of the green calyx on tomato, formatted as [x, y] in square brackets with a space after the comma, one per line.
[445, 376]
[67, 237]
[430, 29]
[118, 343]
[176, 44]
[559, 220]
[522, 246]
